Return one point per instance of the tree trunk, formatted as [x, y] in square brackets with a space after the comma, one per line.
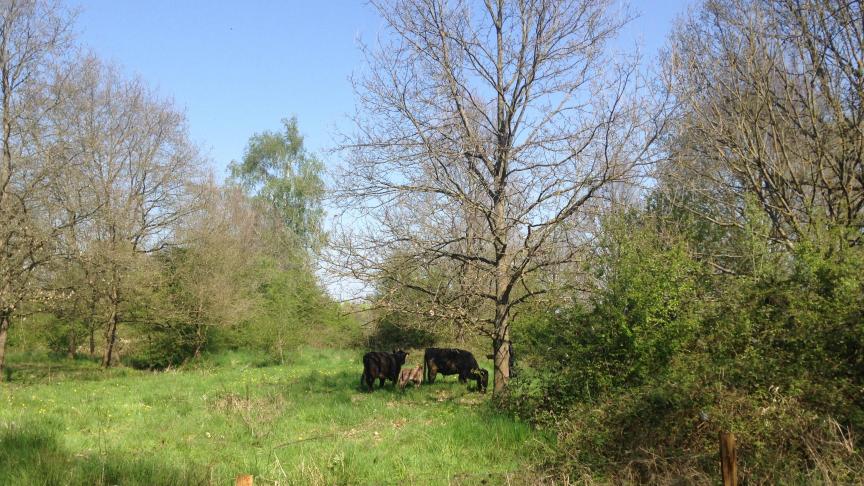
[73, 344]
[503, 285]
[4, 331]
[199, 340]
[91, 325]
[501, 349]
[110, 335]
[501, 230]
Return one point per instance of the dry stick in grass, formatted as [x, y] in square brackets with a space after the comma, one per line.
[304, 440]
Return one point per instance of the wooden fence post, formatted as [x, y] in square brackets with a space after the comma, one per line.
[728, 459]
[244, 480]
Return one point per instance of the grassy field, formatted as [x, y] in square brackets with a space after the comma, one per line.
[303, 422]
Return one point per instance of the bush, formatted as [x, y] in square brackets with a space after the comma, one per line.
[669, 351]
[292, 311]
[645, 314]
[667, 434]
[392, 332]
[164, 345]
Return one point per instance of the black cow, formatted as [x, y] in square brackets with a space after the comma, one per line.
[453, 361]
[381, 366]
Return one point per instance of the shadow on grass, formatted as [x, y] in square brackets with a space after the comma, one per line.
[32, 454]
[328, 382]
[50, 368]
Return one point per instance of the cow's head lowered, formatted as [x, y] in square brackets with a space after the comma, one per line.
[482, 377]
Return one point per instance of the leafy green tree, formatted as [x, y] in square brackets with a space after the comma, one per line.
[286, 179]
[284, 183]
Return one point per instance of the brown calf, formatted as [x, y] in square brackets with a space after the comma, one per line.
[413, 375]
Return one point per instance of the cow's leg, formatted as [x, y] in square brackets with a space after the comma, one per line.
[381, 382]
[463, 377]
[432, 373]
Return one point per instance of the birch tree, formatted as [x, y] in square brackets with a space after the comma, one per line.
[486, 136]
[285, 179]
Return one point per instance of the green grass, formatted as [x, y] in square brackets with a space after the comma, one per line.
[305, 422]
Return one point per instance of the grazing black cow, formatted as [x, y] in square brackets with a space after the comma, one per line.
[453, 361]
[381, 366]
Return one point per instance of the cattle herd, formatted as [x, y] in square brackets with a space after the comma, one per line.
[446, 361]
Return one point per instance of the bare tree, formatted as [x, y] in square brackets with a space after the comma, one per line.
[486, 132]
[771, 92]
[212, 269]
[142, 179]
[33, 37]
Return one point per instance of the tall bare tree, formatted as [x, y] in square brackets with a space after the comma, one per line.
[772, 93]
[143, 175]
[486, 133]
[33, 39]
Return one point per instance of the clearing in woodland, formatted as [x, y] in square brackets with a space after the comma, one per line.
[301, 422]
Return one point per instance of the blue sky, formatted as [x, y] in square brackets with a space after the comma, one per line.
[239, 67]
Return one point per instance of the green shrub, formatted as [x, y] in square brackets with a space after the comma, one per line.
[643, 316]
[162, 346]
[668, 351]
[391, 332]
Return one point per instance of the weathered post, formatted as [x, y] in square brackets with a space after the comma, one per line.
[728, 459]
[244, 480]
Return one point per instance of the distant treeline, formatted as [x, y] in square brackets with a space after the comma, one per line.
[116, 241]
